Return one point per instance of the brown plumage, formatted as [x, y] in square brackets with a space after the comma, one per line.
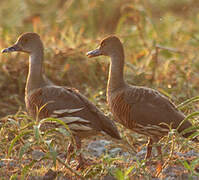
[140, 109]
[56, 101]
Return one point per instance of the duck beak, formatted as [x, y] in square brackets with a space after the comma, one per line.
[11, 49]
[94, 53]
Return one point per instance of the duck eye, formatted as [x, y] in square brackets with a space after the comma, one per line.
[25, 41]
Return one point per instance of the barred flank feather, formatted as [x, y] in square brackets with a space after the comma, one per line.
[34, 103]
[121, 110]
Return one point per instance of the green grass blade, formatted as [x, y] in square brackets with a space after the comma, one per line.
[187, 102]
[128, 171]
[23, 150]
[55, 120]
[53, 154]
[188, 117]
[37, 133]
[119, 174]
[16, 139]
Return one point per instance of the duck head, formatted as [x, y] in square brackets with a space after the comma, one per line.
[27, 42]
[109, 46]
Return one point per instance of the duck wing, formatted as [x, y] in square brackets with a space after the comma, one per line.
[65, 102]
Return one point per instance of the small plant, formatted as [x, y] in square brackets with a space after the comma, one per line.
[191, 167]
[36, 135]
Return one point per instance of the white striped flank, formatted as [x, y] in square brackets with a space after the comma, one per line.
[54, 116]
[62, 111]
[150, 130]
[68, 120]
[155, 127]
[79, 127]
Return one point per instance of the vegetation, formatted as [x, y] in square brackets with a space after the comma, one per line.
[161, 40]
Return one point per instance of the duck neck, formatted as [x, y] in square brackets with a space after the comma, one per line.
[116, 80]
[35, 79]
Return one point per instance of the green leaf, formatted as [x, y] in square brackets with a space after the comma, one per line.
[37, 133]
[196, 113]
[194, 163]
[16, 139]
[188, 117]
[186, 165]
[63, 131]
[14, 177]
[53, 154]
[119, 174]
[126, 173]
[191, 129]
[23, 150]
[187, 102]
[55, 120]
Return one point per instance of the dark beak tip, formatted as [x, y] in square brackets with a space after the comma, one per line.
[3, 51]
[7, 50]
[89, 54]
[93, 53]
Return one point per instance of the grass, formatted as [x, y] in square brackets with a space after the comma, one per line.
[161, 42]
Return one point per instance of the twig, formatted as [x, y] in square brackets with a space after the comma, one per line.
[70, 169]
[169, 49]
[170, 156]
[141, 35]
[155, 58]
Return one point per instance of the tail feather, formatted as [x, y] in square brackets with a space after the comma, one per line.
[109, 127]
[104, 123]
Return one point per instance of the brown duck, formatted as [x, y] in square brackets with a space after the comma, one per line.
[140, 109]
[60, 102]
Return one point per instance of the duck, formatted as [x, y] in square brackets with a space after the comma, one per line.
[59, 101]
[143, 110]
